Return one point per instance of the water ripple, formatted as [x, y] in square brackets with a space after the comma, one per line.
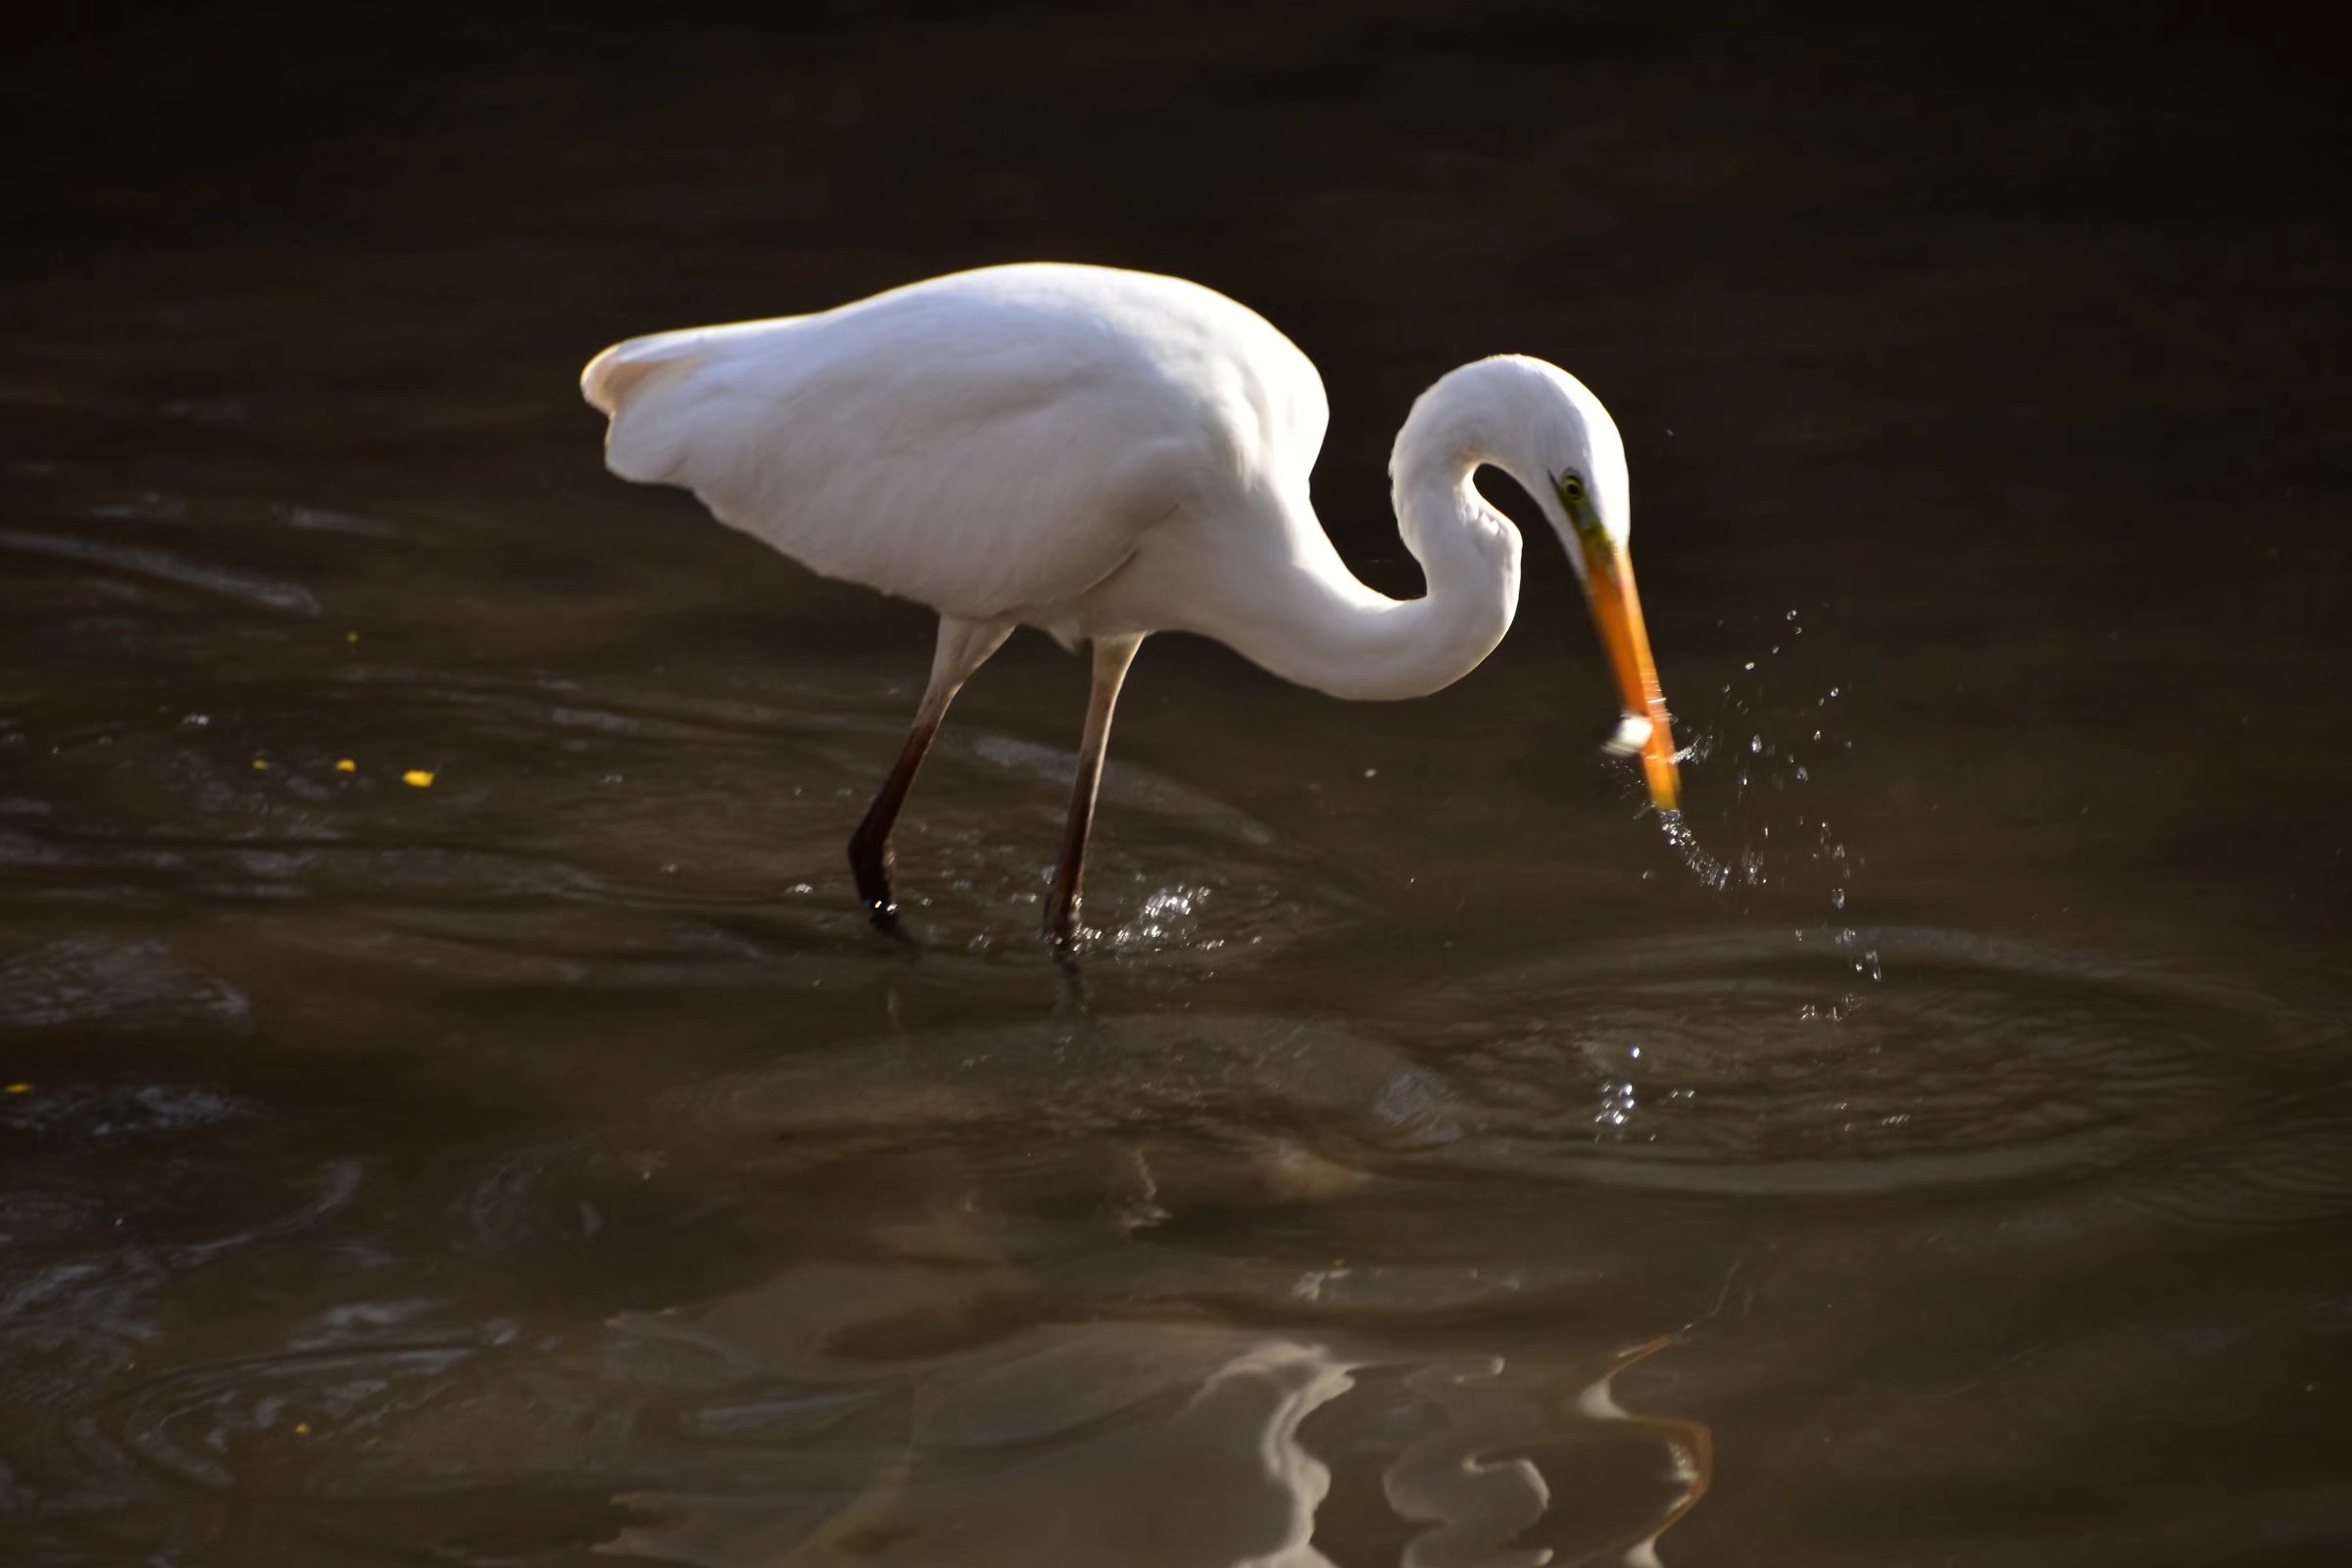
[545, 793]
[1900, 1058]
[123, 984]
[250, 587]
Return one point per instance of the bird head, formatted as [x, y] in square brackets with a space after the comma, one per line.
[1568, 455]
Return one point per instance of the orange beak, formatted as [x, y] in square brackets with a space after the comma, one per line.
[1617, 612]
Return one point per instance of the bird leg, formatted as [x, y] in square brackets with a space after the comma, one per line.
[963, 647]
[871, 855]
[1113, 656]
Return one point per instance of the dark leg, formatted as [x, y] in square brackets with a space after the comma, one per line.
[1113, 656]
[870, 857]
[963, 646]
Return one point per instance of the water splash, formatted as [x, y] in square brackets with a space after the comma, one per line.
[1705, 868]
[1165, 918]
[1775, 832]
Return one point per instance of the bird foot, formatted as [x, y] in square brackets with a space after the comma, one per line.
[1062, 929]
[869, 868]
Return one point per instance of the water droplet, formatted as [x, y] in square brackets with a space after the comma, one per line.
[1836, 898]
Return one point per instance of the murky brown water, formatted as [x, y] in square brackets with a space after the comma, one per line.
[1945, 1157]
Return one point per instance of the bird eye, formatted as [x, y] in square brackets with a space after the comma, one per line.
[1572, 487]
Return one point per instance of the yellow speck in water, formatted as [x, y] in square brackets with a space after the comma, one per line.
[261, 765]
[351, 636]
[302, 1429]
[344, 764]
[20, 1089]
[417, 779]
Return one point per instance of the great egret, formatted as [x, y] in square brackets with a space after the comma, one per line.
[1105, 454]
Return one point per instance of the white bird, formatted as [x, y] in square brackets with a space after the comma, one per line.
[1106, 453]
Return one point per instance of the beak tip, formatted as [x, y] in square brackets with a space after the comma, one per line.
[1665, 780]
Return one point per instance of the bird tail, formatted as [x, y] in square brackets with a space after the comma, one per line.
[612, 374]
[646, 440]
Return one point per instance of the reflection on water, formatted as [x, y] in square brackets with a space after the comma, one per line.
[1161, 1443]
[1934, 1146]
[1156, 1461]
[1691, 1444]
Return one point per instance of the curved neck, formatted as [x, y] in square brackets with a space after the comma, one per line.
[1315, 624]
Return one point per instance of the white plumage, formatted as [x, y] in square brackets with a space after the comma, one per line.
[1108, 453]
[993, 444]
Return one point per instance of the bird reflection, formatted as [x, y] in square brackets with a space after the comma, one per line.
[1691, 1442]
[1473, 1504]
[1021, 1463]
[1147, 1444]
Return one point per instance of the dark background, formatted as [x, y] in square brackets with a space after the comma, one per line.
[1731, 223]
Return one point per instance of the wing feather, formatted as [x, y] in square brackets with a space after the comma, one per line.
[991, 444]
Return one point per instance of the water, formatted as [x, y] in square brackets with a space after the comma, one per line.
[452, 1111]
